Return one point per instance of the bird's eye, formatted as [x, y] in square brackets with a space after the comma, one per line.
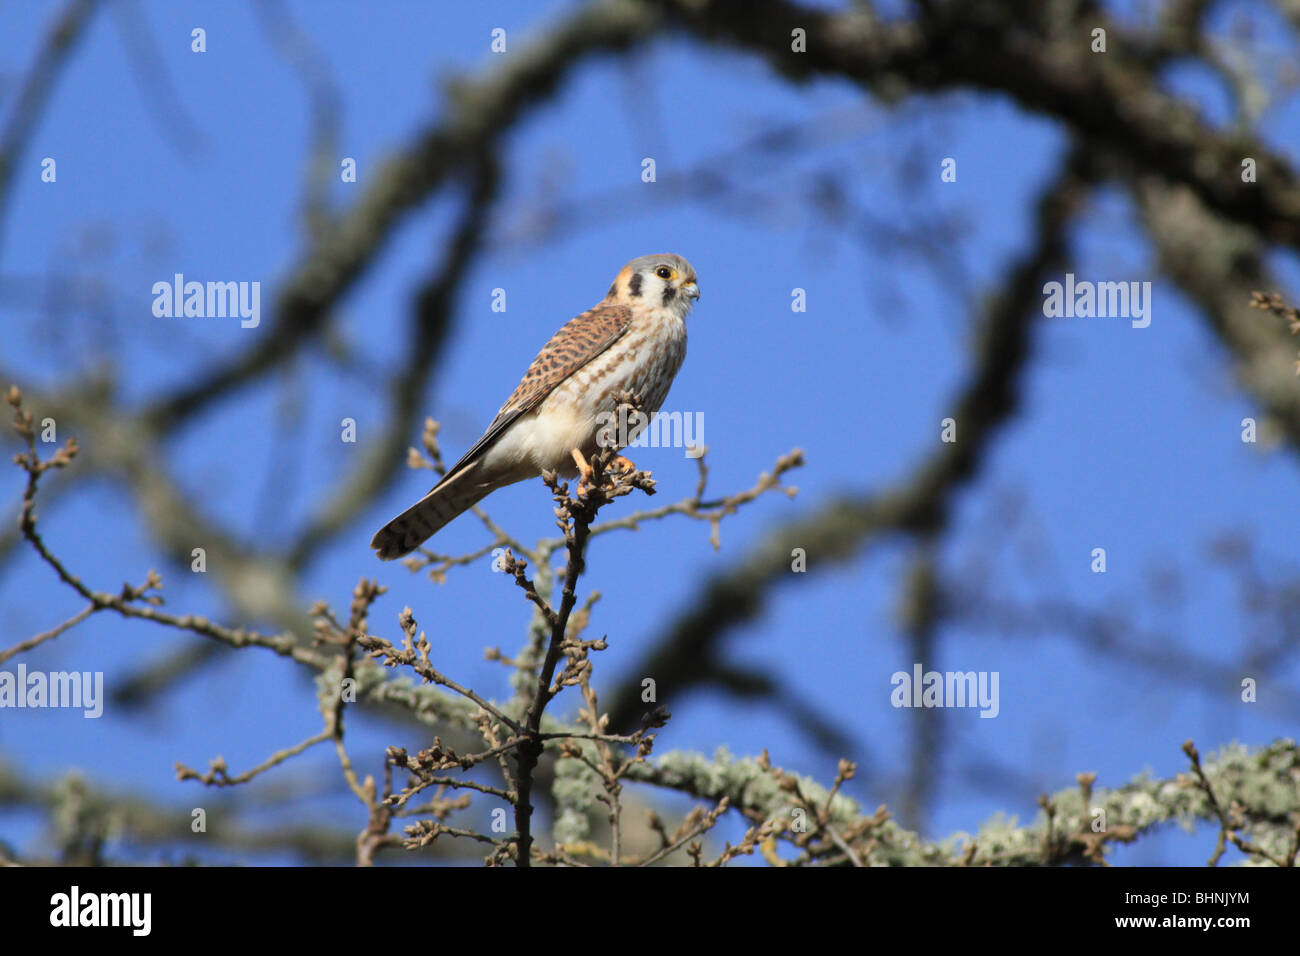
[664, 272]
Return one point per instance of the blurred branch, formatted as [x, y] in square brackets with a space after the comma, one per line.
[157, 90]
[1112, 100]
[35, 91]
[1219, 264]
[92, 815]
[1099, 632]
[325, 109]
[921, 618]
[1075, 826]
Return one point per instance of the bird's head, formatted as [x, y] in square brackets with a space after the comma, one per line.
[665, 281]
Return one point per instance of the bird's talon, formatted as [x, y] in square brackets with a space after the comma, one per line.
[585, 472]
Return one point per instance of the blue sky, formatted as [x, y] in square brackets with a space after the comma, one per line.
[1128, 439]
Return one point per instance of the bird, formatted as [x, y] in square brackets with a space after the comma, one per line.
[633, 340]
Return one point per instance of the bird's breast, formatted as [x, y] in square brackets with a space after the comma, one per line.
[645, 360]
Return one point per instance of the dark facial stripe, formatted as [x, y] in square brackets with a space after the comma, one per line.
[634, 285]
[669, 292]
[613, 287]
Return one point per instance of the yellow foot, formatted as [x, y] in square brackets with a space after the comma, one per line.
[624, 464]
[584, 469]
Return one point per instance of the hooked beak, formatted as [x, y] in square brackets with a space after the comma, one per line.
[691, 290]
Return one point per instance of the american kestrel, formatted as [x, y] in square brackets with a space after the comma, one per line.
[634, 340]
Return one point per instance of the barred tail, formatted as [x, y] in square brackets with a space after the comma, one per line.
[423, 519]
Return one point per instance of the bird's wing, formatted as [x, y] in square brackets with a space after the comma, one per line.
[578, 342]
